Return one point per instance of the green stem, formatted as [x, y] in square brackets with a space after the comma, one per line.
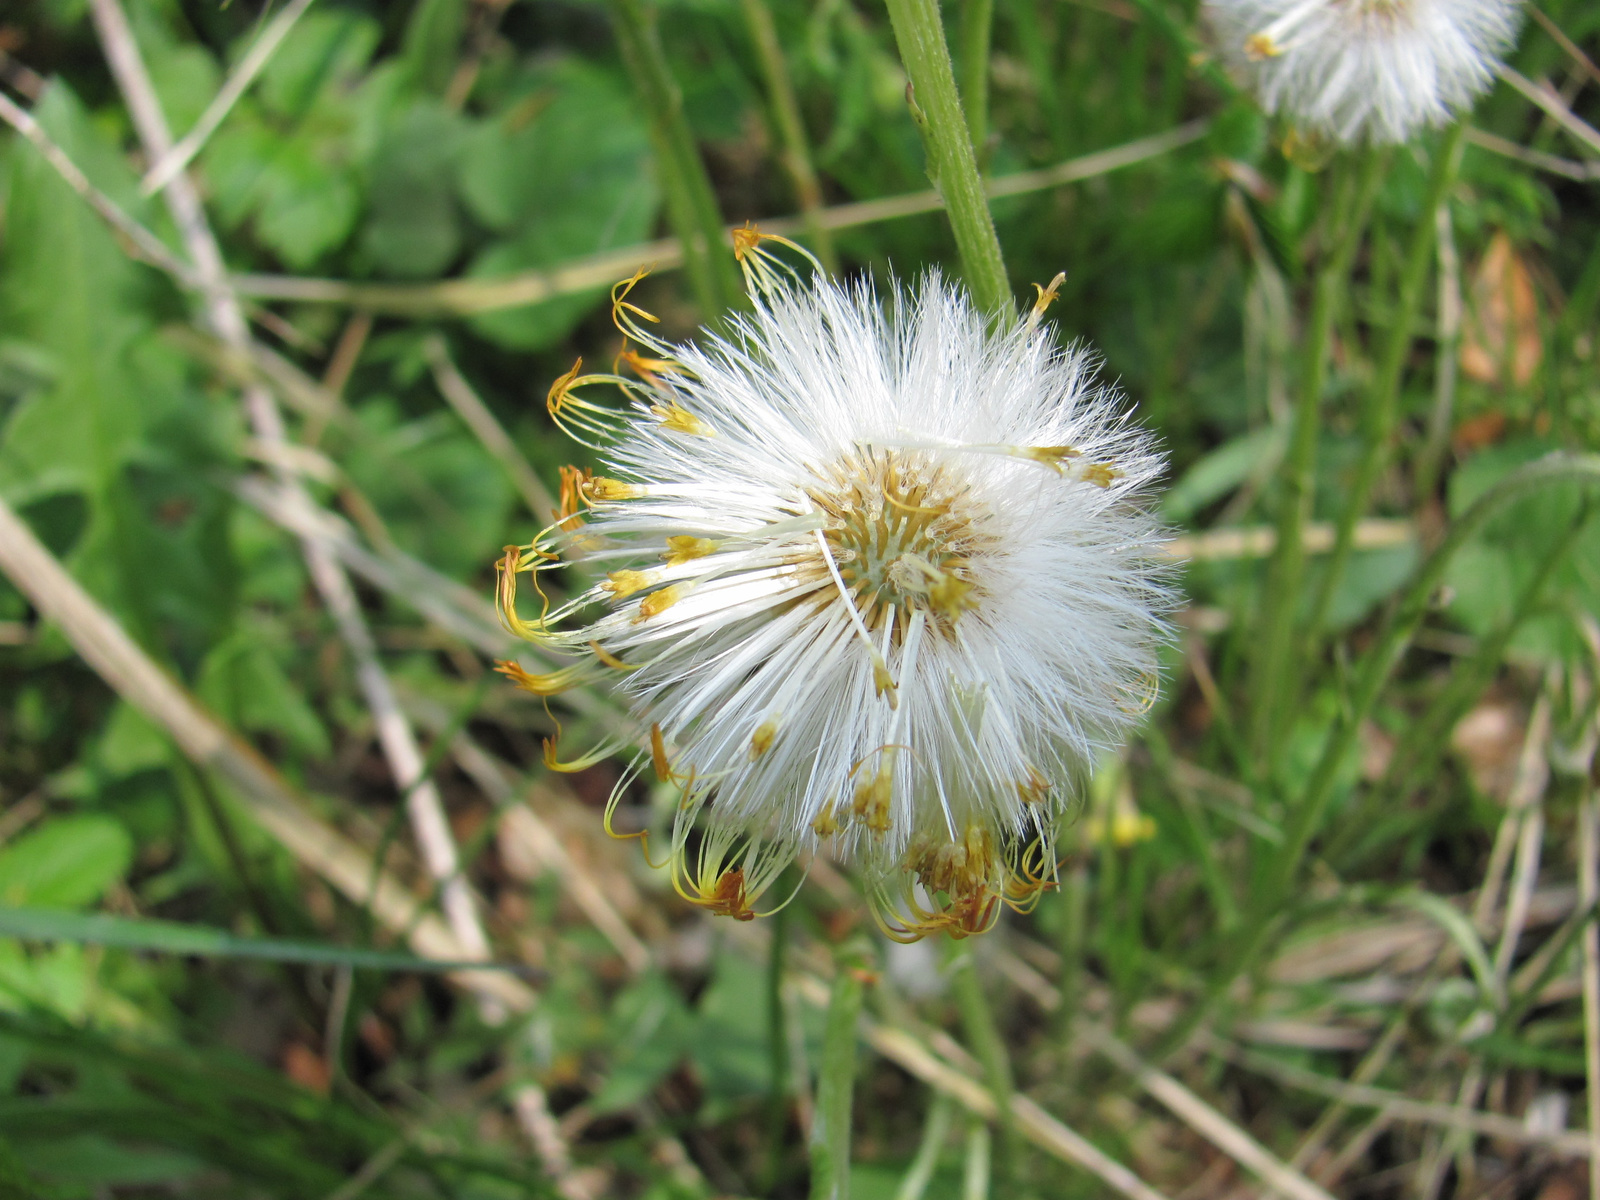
[934, 1131]
[1353, 199]
[836, 1079]
[777, 1047]
[936, 107]
[977, 25]
[1305, 817]
[791, 129]
[1381, 413]
[983, 1035]
[691, 201]
[1074, 925]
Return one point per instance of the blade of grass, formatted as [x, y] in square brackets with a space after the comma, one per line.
[1304, 818]
[691, 202]
[199, 941]
[785, 107]
[1271, 665]
[117, 659]
[988, 1044]
[1381, 408]
[977, 27]
[836, 1078]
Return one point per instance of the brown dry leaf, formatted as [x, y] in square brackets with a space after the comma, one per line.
[1500, 337]
[1474, 433]
[1489, 739]
[306, 1067]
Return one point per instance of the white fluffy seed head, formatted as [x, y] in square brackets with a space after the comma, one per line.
[883, 579]
[1365, 70]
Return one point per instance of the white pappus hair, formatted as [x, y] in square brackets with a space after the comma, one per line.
[885, 578]
[1365, 70]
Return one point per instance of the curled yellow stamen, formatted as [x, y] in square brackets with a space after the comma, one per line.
[1054, 457]
[552, 684]
[610, 659]
[1047, 297]
[1260, 46]
[1101, 474]
[574, 484]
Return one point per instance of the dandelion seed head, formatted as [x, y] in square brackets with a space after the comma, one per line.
[883, 578]
[1366, 70]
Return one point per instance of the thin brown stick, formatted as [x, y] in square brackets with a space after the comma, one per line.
[462, 297]
[142, 244]
[256, 58]
[1549, 101]
[132, 674]
[424, 805]
[475, 414]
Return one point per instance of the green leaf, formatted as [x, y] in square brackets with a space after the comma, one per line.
[730, 1041]
[243, 682]
[432, 40]
[308, 206]
[170, 937]
[67, 287]
[1217, 473]
[414, 229]
[1489, 572]
[66, 863]
[445, 500]
[650, 1028]
[131, 743]
[562, 171]
[324, 53]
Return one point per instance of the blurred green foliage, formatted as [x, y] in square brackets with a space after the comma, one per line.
[444, 140]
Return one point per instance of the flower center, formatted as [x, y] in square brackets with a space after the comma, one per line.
[903, 536]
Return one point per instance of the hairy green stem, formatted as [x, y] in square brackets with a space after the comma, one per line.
[1273, 664]
[989, 1046]
[691, 202]
[977, 27]
[1305, 816]
[836, 1080]
[1381, 413]
[791, 129]
[936, 107]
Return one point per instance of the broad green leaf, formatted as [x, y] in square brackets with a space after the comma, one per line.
[131, 743]
[67, 862]
[413, 229]
[69, 290]
[1217, 473]
[445, 500]
[325, 52]
[1370, 577]
[1488, 574]
[562, 171]
[650, 1034]
[432, 41]
[730, 1041]
[242, 681]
